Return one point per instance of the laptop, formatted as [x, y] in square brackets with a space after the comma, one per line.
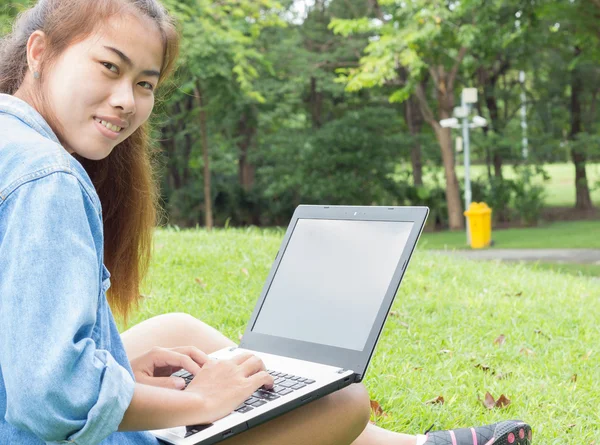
[321, 310]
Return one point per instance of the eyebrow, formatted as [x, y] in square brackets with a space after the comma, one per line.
[128, 61]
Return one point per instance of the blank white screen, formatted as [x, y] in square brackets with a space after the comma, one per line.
[331, 281]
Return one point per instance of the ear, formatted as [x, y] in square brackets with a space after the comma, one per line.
[36, 44]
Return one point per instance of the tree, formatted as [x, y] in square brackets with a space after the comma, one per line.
[421, 38]
[576, 38]
[218, 60]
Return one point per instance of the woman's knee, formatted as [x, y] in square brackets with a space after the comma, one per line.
[346, 413]
[356, 398]
[338, 418]
[175, 318]
[172, 330]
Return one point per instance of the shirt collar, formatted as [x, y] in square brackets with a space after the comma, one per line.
[25, 112]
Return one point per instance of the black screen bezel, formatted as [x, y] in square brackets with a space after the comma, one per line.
[356, 361]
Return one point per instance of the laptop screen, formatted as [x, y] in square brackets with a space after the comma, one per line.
[331, 281]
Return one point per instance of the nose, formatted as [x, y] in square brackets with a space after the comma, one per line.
[123, 98]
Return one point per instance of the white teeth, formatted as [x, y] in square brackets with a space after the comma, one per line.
[109, 125]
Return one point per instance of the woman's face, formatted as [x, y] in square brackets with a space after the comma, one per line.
[110, 76]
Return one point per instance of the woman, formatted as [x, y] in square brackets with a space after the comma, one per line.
[76, 183]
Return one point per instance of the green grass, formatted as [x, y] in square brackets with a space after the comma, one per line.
[579, 270]
[448, 313]
[560, 188]
[577, 234]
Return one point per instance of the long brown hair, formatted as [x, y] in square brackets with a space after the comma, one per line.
[126, 180]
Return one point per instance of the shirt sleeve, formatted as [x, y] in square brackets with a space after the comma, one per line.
[59, 385]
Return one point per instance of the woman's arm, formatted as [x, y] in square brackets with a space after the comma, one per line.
[216, 390]
[153, 407]
[59, 384]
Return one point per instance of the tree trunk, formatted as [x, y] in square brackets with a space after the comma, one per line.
[455, 216]
[492, 106]
[497, 165]
[208, 217]
[488, 153]
[246, 130]
[488, 79]
[246, 171]
[414, 120]
[583, 198]
[316, 103]
[444, 84]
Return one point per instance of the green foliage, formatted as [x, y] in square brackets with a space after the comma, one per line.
[498, 197]
[218, 40]
[8, 11]
[520, 198]
[528, 199]
[347, 161]
[314, 106]
[432, 195]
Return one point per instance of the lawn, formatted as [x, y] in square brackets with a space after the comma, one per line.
[440, 339]
[577, 234]
[586, 270]
[560, 188]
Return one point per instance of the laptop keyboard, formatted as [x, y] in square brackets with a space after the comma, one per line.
[284, 385]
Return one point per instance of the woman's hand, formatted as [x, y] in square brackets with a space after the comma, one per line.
[156, 366]
[225, 384]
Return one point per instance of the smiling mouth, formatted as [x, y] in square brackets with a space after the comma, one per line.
[108, 125]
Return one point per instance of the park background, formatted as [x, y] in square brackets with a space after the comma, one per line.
[276, 104]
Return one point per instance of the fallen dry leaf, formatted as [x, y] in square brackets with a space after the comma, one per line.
[377, 410]
[394, 313]
[484, 368]
[526, 351]
[490, 403]
[574, 378]
[245, 271]
[502, 401]
[500, 340]
[200, 281]
[439, 400]
[503, 375]
[540, 332]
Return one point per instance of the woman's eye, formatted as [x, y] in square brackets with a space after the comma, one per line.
[149, 87]
[109, 66]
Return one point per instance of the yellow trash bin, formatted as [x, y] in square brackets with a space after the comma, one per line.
[479, 216]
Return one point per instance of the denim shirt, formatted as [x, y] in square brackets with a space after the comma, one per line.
[64, 373]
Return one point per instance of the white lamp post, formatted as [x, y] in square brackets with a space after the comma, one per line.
[468, 97]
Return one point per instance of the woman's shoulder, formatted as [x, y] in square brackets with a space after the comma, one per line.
[26, 155]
